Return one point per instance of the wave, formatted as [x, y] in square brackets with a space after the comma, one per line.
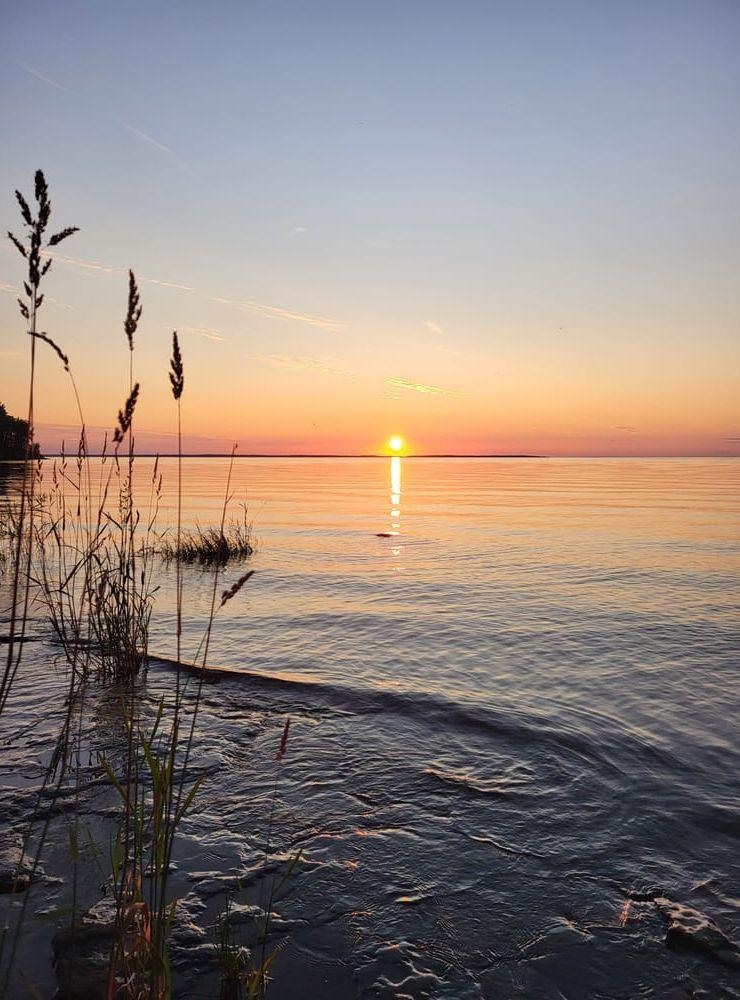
[589, 736]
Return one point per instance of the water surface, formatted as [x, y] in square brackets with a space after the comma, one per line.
[510, 712]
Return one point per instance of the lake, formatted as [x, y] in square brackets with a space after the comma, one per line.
[513, 692]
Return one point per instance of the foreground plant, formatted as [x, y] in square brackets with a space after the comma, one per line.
[34, 247]
[89, 554]
[35, 251]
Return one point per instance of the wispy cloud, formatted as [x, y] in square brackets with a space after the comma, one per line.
[247, 305]
[131, 129]
[156, 144]
[277, 312]
[201, 331]
[297, 363]
[430, 390]
[95, 265]
[14, 290]
[297, 231]
[39, 76]
[11, 354]
[434, 327]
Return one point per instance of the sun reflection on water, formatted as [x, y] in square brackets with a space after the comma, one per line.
[396, 505]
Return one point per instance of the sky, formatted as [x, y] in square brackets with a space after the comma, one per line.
[490, 227]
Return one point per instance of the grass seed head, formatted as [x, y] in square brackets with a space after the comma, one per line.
[133, 312]
[177, 372]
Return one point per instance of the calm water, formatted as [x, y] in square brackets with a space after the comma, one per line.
[506, 716]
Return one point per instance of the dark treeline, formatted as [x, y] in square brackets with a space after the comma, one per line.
[14, 436]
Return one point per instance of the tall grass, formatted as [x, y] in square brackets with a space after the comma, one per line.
[31, 249]
[87, 550]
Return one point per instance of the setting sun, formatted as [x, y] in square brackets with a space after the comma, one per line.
[395, 443]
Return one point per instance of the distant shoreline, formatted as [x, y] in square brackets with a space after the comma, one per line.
[227, 454]
[257, 455]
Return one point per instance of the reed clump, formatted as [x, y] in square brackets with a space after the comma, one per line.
[8, 531]
[211, 546]
[232, 957]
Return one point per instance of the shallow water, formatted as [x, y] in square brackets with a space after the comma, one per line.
[506, 716]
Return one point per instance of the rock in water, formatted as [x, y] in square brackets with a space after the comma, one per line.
[15, 875]
[688, 928]
[82, 954]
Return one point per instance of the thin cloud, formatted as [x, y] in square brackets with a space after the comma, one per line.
[296, 363]
[156, 144]
[430, 390]
[137, 132]
[11, 354]
[201, 331]
[297, 231]
[94, 265]
[40, 76]
[14, 290]
[277, 312]
[248, 305]
[434, 327]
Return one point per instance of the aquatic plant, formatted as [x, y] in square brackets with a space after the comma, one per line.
[232, 957]
[88, 554]
[34, 249]
[211, 546]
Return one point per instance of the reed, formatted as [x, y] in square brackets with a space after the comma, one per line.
[31, 248]
[245, 975]
[35, 251]
[8, 532]
[86, 551]
[211, 546]
[232, 957]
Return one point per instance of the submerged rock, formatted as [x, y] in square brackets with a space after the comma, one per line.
[644, 893]
[82, 953]
[14, 876]
[81, 958]
[689, 928]
[11, 880]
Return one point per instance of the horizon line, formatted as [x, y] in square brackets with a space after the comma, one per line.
[352, 455]
[296, 454]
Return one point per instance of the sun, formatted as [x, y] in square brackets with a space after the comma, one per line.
[395, 443]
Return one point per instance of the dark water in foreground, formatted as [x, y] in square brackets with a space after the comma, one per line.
[506, 717]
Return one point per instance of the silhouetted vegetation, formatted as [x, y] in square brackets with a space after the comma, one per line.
[14, 441]
[211, 547]
[85, 551]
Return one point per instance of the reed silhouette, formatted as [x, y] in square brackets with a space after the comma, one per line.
[85, 549]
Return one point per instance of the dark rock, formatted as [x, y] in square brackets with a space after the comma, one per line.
[81, 957]
[688, 928]
[643, 894]
[11, 880]
[82, 953]
[15, 875]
